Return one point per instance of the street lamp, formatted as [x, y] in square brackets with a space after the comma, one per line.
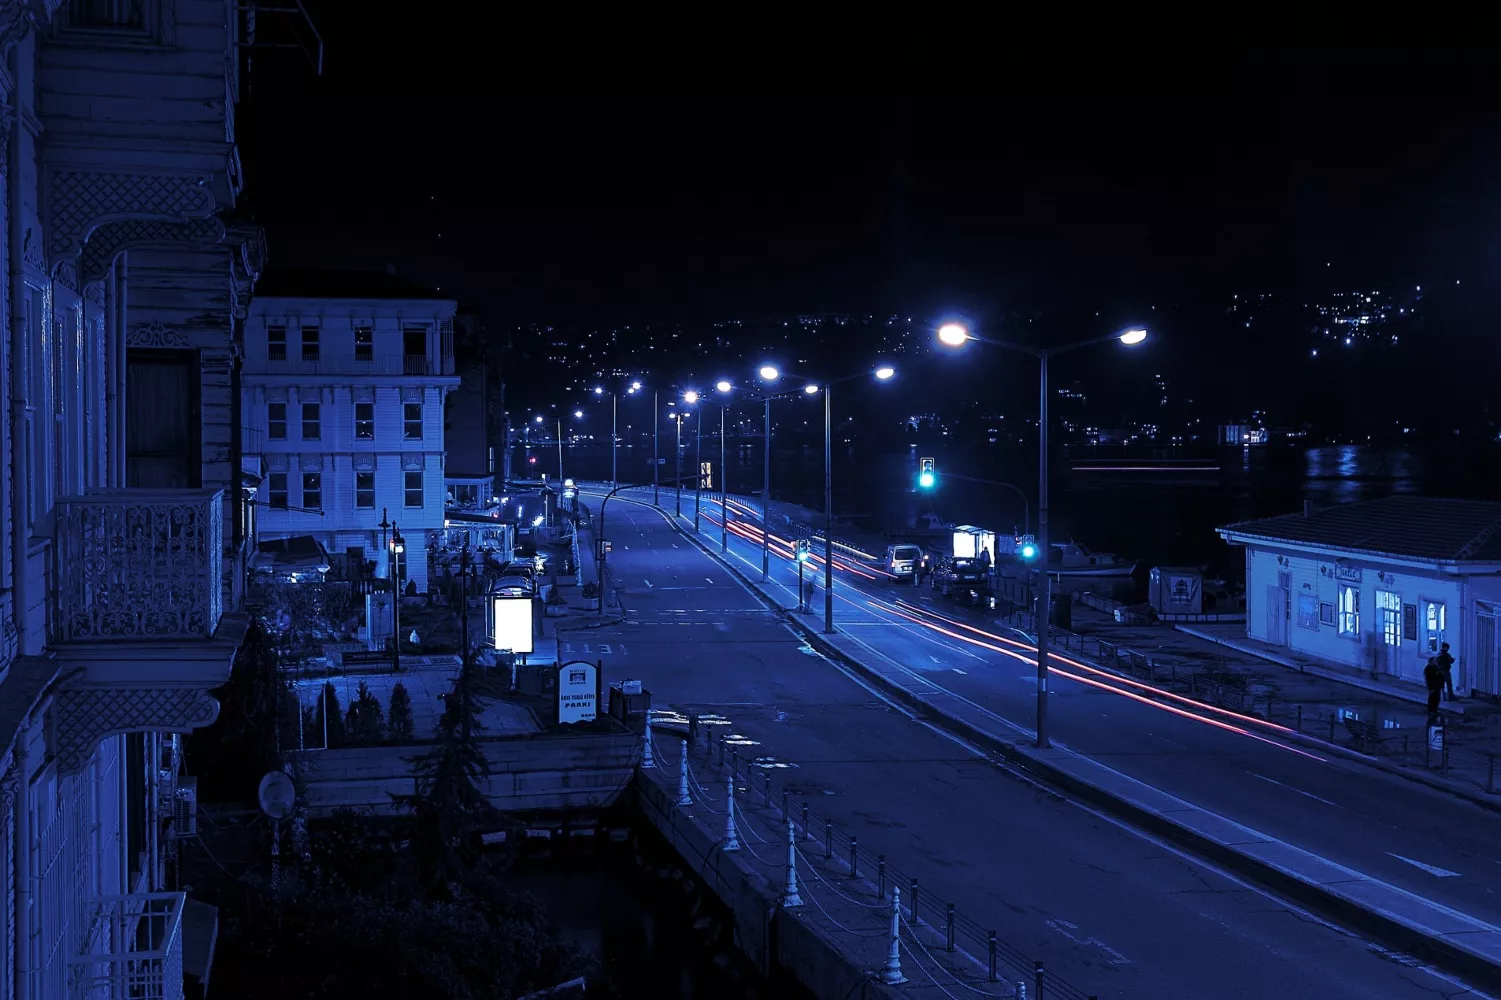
[957, 335]
[882, 372]
[398, 546]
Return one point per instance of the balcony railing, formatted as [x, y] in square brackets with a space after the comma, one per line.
[132, 948]
[140, 564]
[384, 364]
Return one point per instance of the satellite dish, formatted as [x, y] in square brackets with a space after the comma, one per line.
[277, 795]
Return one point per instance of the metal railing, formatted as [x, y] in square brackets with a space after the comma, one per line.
[132, 948]
[140, 564]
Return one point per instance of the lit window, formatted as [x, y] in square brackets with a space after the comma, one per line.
[1389, 611]
[276, 343]
[411, 421]
[276, 485]
[1433, 625]
[364, 421]
[312, 490]
[276, 421]
[413, 490]
[1308, 611]
[1349, 612]
[364, 490]
[310, 343]
[364, 343]
[312, 422]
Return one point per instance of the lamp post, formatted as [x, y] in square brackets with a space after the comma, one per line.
[770, 373]
[677, 462]
[698, 469]
[956, 335]
[599, 390]
[724, 512]
[398, 546]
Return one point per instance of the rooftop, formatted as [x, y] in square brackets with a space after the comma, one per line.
[333, 284]
[1435, 528]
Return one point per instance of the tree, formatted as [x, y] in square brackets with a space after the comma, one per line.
[399, 719]
[241, 745]
[449, 807]
[326, 713]
[364, 724]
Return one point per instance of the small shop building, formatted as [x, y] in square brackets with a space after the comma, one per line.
[1376, 586]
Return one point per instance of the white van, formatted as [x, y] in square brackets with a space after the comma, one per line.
[903, 560]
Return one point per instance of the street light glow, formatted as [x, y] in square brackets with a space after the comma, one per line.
[953, 334]
[690, 396]
[770, 373]
[723, 385]
[599, 391]
[635, 386]
[810, 389]
[578, 413]
[1133, 337]
[885, 372]
[539, 418]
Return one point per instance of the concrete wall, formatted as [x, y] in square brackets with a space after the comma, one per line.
[1314, 579]
[555, 771]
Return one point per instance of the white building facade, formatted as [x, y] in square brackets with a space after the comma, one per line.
[1376, 587]
[121, 565]
[343, 401]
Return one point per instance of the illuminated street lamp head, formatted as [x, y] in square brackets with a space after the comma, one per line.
[811, 389]
[885, 372]
[770, 373]
[632, 389]
[599, 390]
[1133, 337]
[578, 413]
[539, 418]
[723, 385]
[953, 334]
[690, 397]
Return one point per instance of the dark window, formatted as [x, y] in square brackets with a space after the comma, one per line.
[364, 343]
[277, 486]
[276, 343]
[276, 421]
[312, 422]
[364, 490]
[413, 490]
[162, 449]
[312, 490]
[135, 801]
[414, 350]
[106, 14]
[411, 421]
[364, 421]
[310, 343]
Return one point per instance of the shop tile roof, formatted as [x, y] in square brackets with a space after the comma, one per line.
[1410, 526]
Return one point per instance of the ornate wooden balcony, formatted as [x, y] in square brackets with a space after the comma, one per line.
[140, 564]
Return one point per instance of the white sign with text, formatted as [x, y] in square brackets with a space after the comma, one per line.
[578, 692]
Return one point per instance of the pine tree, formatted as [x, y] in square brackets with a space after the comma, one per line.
[364, 724]
[328, 710]
[399, 719]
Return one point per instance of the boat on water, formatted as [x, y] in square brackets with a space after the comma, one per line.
[1072, 559]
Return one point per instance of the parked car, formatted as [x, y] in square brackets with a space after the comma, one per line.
[903, 560]
[960, 575]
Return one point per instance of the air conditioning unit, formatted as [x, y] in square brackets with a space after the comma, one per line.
[166, 790]
[185, 808]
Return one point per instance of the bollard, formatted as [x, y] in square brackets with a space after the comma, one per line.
[767, 776]
[948, 936]
[684, 799]
[881, 877]
[806, 831]
[790, 897]
[891, 974]
[1021, 991]
[721, 751]
[1331, 727]
[1269, 708]
[734, 763]
[1037, 979]
[854, 857]
[1405, 758]
[912, 903]
[731, 842]
[785, 813]
[992, 956]
[1300, 718]
[1490, 777]
[692, 726]
[646, 758]
[708, 746]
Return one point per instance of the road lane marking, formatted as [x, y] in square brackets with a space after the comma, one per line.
[958, 671]
[1300, 791]
[708, 579]
[1430, 869]
[648, 584]
[1116, 958]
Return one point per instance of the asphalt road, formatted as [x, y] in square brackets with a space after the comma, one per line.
[1408, 834]
[1112, 912]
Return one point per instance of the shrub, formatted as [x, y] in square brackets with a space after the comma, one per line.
[399, 724]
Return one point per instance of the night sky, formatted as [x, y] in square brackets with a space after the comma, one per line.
[415, 151]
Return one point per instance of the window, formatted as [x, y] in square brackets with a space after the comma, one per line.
[364, 490]
[411, 421]
[1326, 613]
[276, 421]
[312, 490]
[364, 421]
[310, 343]
[1349, 612]
[1389, 613]
[414, 350]
[1308, 611]
[312, 422]
[413, 490]
[276, 343]
[277, 485]
[1433, 625]
[106, 14]
[364, 343]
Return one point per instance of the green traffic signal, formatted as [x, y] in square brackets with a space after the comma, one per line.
[926, 480]
[1029, 552]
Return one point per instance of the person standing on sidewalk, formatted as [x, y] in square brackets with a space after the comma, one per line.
[1445, 664]
[1433, 677]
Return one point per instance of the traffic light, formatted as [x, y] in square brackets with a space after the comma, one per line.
[1026, 547]
[802, 550]
[926, 477]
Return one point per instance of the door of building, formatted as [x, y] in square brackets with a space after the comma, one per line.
[1389, 621]
[1487, 662]
[1276, 615]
